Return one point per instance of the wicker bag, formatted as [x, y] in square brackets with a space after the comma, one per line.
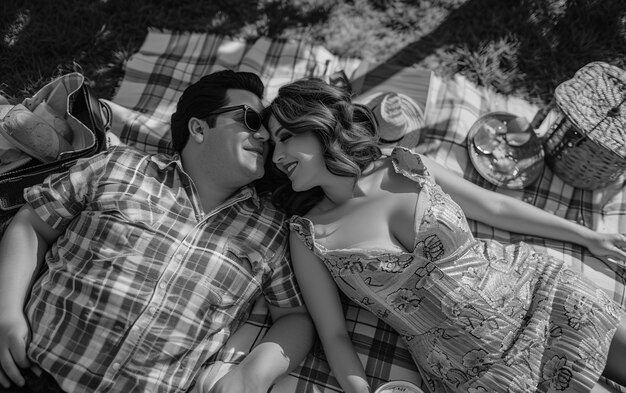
[586, 146]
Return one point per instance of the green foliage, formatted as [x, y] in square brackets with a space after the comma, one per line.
[520, 47]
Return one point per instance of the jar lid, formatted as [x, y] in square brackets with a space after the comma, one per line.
[398, 387]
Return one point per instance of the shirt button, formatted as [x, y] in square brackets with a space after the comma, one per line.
[162, 285]
[179, 256]
[116, 366]
[152, 310]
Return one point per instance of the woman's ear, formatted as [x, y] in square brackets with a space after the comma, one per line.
[197, 128]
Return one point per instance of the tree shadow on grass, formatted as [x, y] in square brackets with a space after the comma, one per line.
[520, 47]
[42, 39]
[524, 48]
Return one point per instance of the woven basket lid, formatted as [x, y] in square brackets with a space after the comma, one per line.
[594, 100]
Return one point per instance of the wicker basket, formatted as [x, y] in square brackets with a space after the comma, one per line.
[586, 146]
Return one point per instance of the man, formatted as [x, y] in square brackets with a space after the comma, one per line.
[153, 261]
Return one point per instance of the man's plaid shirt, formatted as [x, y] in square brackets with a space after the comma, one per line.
[142, 287]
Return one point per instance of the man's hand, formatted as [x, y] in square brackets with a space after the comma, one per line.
[14, 337]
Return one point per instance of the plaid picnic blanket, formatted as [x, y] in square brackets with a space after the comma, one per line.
[168, 62]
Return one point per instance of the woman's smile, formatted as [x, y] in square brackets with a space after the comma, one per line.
[288, 168]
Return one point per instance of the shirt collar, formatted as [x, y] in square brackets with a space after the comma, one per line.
[249, 192]
[164, 161]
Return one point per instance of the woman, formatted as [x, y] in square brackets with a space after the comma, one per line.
[476, 315]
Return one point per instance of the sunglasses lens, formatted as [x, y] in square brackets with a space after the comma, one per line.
[252, 119]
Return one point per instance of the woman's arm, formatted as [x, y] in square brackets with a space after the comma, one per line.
[283, 347]
[321, 297]
[513, 215]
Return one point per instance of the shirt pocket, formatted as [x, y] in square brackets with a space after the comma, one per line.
[244, 276]
[139, 213]
[218, 296]
[247, 256]
[226, 291]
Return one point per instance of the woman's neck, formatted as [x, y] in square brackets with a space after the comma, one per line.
[340, 190]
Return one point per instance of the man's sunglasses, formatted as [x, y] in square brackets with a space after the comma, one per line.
[251, 118]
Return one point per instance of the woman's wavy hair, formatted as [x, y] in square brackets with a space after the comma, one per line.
[347, 131]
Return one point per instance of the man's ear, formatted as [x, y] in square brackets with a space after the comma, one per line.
[197, 128]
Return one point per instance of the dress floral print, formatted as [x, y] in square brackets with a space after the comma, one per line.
[477, 316]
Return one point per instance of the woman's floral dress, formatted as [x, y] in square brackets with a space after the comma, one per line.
[477, 316]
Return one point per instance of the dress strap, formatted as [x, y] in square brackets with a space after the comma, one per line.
[302, 227]
[410, 165]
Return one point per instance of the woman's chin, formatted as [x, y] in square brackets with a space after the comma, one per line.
[299, 188]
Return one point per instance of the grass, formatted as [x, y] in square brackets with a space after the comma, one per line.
[523, 47]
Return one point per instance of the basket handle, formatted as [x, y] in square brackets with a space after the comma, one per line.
[571, 136]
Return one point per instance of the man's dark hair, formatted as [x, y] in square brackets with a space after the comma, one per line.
[207, 95]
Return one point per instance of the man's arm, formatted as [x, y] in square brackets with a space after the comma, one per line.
[22, 251]
[283, 347]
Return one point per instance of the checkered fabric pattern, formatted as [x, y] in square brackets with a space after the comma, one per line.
[167, 63]
[144, 266]
[456, 105]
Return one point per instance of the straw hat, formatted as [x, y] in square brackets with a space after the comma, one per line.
[398, 115]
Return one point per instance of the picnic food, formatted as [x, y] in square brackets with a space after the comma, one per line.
[505, 165]
[54, 119]
[486, 140]
[33, 135]
[505, 150]
[519, 131]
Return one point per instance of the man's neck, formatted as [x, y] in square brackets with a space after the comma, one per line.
[212, 198]
[211, 190]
